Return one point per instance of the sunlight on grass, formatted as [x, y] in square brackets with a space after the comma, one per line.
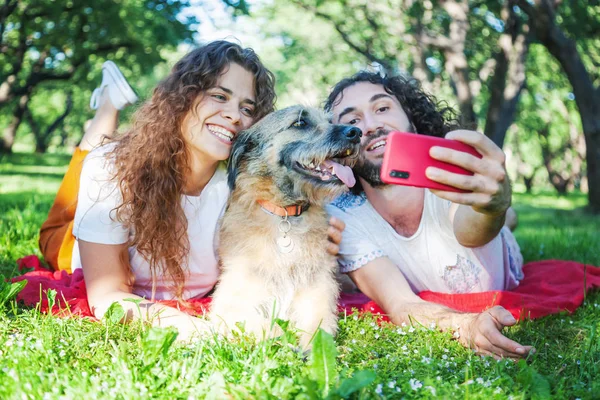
[43, 356]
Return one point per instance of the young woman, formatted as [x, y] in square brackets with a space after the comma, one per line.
[148, 202]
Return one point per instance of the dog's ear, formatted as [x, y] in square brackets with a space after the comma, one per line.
[242, 144]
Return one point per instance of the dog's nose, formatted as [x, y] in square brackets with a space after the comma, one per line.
[353, 134]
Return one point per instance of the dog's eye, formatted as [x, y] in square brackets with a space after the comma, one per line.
[299, 124]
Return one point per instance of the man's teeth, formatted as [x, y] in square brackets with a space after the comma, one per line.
[221, 132]
[377, 144]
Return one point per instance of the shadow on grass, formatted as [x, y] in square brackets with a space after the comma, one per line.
[32, 159]
[41, 175]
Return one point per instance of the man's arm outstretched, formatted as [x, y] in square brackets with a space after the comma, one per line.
[383, 282]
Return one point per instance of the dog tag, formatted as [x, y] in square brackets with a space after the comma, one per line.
[285, 244]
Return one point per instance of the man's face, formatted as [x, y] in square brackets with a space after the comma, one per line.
[369, 107]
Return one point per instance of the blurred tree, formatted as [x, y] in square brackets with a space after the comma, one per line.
[44, 134]
[550, 27]
[547, 139]
[45, 41]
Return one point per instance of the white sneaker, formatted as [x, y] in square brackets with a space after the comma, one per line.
[119, 91]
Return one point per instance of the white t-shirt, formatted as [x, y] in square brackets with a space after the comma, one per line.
[95, 222]
[431, 259]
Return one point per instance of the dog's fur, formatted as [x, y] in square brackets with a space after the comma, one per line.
[257, 282]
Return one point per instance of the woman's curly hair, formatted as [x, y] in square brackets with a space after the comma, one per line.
[428, 116]
[152, 160]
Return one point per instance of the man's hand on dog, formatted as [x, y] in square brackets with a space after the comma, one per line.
[334, 233]
[489, 186]
[483, 333]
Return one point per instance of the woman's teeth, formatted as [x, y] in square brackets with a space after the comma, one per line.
[221, 132]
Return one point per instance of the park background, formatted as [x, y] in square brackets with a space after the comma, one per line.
[525, 73]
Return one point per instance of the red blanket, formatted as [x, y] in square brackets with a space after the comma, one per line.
[549, 287]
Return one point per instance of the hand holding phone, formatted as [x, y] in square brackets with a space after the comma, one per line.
[407, 157]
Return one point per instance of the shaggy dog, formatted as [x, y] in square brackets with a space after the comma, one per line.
[273, 235]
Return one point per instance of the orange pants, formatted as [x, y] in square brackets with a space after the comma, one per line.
[56, 234]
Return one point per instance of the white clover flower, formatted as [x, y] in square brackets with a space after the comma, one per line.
[372, 324]
[432, 325]
[379, 389]
[377, 336]
[431, 389]
[362, 331]
[391, 384]
[411, 329]
[426, 360]
[353, 341]
[355, 318]
[469, 382]
[415, 384]
[398, 389]
[404, 325]
[444, 357]
[479, 380]
[404, 348]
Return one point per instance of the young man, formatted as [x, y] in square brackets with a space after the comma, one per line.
[400, 240]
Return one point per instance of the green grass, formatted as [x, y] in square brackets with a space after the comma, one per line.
[47, 357]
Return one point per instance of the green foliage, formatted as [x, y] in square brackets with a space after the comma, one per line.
[156, 344]
[51, 48]
[323, 360]
[114, 314]
[538, 386]
[8, 290]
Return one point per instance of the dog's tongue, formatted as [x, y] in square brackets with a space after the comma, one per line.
[343, 172]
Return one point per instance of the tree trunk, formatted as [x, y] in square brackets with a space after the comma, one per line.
[509, 76]
[543, 22]
[456, 61]
[43, 137]
[8, 137]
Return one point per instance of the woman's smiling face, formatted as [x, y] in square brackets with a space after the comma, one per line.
[220, 113]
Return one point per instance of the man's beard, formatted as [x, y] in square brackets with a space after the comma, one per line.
[367, 170]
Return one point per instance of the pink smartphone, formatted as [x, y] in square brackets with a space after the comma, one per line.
[407, 156]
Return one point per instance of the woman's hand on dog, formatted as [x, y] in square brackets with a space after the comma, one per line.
[334, 233]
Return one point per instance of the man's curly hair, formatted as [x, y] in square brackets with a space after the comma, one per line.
[152, 160]
[428, 116]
